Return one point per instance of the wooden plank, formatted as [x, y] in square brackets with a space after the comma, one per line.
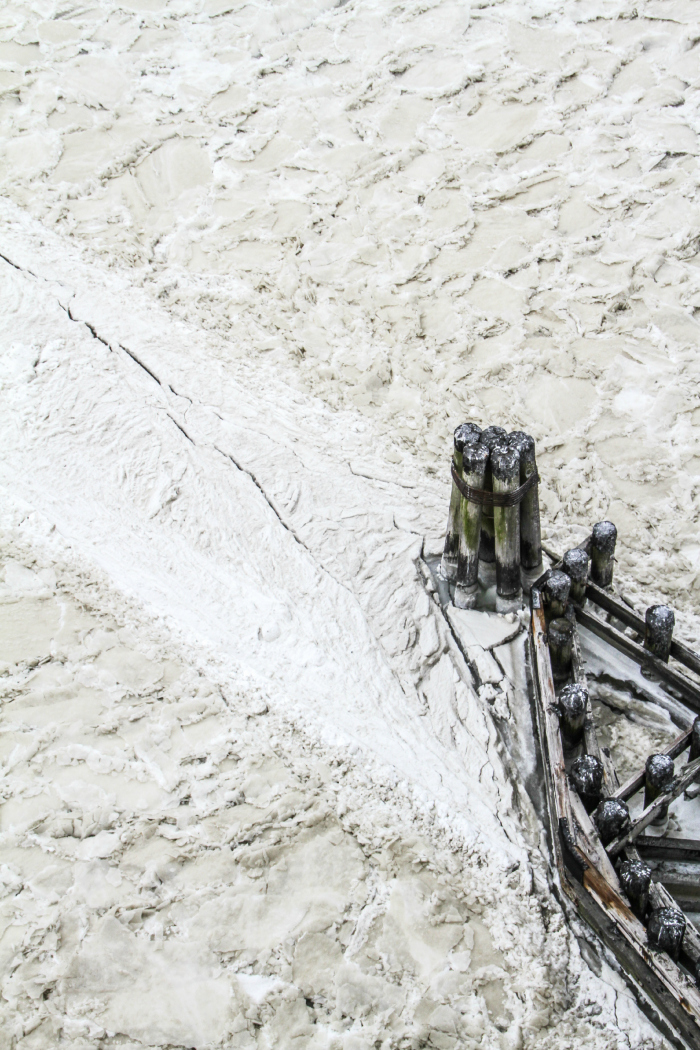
[590, 843]
[550, 717]
[622, 612]
[669, 848]
[589, 730]
[636, 781]
[686, 776]
[607, 601]
[688, 690]
[661, 978]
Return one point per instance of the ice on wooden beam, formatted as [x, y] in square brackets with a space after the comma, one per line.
[465, 434]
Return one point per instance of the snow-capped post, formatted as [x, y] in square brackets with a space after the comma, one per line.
[575, 565]
[695, 741]
[572, 712]
[560, 635]
[555, 594]
[659, 776]
[635, 879]
[505, 473]
[611, 818]
[475, 460]
[586, 778]
[465, 434]
[490, 437]
[658, 631]
[530, 532]
[666, 929]
[603, 540]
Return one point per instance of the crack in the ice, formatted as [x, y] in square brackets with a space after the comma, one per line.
[137, 361]
[267, 499]
[181, 429]
[90, 328]
[15, 266]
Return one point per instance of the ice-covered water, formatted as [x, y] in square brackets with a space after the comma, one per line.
[258, 261]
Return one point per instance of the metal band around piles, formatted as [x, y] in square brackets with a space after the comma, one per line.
[494, 499]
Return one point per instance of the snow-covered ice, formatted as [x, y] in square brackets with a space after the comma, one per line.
[257, 262]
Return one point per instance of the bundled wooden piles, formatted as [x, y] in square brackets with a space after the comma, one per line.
[493, 529]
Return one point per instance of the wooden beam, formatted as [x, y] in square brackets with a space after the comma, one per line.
[607, 601]
[686, 776]
[632, 785]
[688, 690]
[669, 849]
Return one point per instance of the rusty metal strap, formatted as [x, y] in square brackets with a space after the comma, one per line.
[494, 499]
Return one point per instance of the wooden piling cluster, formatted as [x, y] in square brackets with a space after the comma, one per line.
[596, 842]
[493, 529]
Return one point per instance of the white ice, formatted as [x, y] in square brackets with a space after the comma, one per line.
[257, 262]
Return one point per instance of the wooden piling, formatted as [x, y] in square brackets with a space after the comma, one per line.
[659, 772]
[666, 929]
[612, 818]
[658, 631]
[490, 437]
[573, 703]
[560, 636]
[505, 472]
[555, 594]
[695, 740]
[465, 434]
[603, 540]
[530, 531]
[586, 778]
[575, 565]
[635, 879]
[475, 460]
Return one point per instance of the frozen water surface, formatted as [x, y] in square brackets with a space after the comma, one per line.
[258, 261]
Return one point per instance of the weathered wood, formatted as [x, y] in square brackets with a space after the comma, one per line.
[597, 895]
[610, 781]
[611, 604]
[686, 776]
[669, 849]
[687, 689]
[633, 784]
[550, 717]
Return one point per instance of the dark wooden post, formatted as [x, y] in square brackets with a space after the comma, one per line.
[474, 462]
[575, 565]
[530, 531]
[490, 437]
[465, 434]
[658, 631]
[603, 540]
[505, 472]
